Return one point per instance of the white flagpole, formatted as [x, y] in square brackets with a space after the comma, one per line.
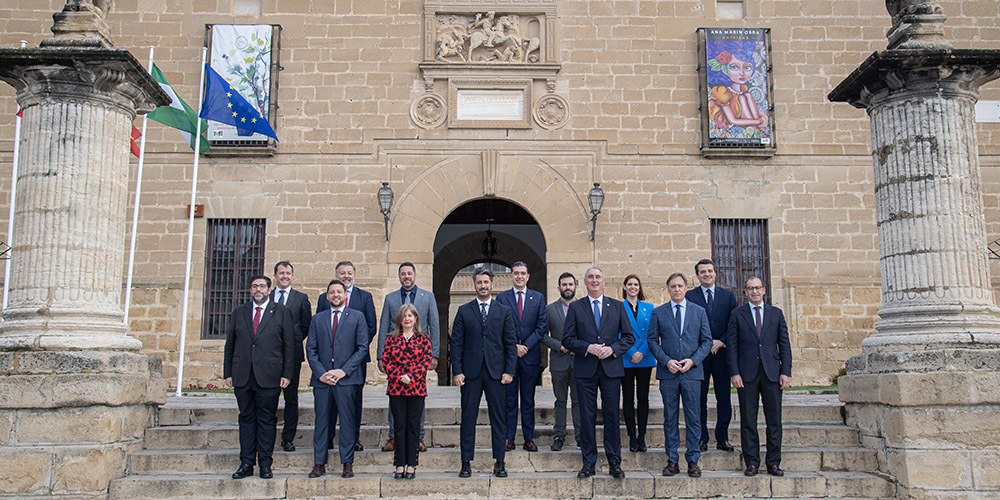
[190, 242]
[135, 210]
[10, 216]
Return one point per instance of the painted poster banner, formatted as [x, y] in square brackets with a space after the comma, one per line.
[241, 54]
[736, 111]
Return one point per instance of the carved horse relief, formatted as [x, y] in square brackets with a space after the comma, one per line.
[485, 38]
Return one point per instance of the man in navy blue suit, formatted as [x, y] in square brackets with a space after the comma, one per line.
[598, 332]
[718, 302]
[679, 339]
[760, 360]
[336, 348]
[359, 300]
[483, 359]
[530, 324]
[298, 304]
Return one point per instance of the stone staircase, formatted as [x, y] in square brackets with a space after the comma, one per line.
[194, 447]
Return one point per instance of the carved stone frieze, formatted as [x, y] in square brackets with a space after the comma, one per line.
[488, 37]
[428, 111]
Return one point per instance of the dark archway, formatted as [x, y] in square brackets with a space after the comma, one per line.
[459, 243]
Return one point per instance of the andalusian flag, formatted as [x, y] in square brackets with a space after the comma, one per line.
[177, 114]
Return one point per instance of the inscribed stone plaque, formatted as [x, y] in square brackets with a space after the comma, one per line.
[490, 105]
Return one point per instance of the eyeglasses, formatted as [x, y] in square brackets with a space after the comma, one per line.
[256, 286]
[754, 288]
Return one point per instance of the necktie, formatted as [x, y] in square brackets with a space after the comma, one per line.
[710, 302]
[347, 299]
[677, 317]
[597, 313]
[482, 308]
[520, 305]
[281, 300]
[333, 334]
[406, 297]
[756, 319]
[256, 320]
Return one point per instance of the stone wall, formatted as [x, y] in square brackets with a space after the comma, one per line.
[628, 73]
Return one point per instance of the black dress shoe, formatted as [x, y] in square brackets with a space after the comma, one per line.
[466, 470]
[703, 445]
[529, 445]
[499, 469]
[359, 447]
[616, 471]
[774, 470]
[586, 471]
[265, 473]
[557, 444]
[751, 470]
[642, 443]
[724, 446]
[288, 446]
[633, 445]
[245, 470]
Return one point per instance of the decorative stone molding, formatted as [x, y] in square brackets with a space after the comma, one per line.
[491, 167]
[428, 111]
[551, 111]
[916, 24]
[81, 24]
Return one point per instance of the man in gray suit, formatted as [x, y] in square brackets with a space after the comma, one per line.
[561, 361]
[426, 306]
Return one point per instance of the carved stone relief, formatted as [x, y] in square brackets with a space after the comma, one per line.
[428, 111]
[551, 111]
[488, 37]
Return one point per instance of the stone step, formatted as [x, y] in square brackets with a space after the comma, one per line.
[180, 414]
[220, 436]
[147, 462]
[839, 485]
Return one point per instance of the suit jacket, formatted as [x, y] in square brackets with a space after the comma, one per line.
[530, 328]
[581, 330]
[298, 304]
[640, 330]
[426, 308]
[472, 342]
[666, 343]
[558, 360]
[723, 304]
[772, 349]
[270, 353]
[361, 300]
[347, 351]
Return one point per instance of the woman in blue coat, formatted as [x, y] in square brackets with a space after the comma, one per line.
[638, 364]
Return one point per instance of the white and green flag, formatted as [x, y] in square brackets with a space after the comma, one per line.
[178, 114]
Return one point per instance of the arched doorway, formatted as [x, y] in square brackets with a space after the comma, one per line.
[482, 231]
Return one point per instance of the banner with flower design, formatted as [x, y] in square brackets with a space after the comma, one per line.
[736, 89]
[242, 55]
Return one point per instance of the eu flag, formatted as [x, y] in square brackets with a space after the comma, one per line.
[225, 105]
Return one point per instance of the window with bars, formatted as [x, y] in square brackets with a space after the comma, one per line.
[740, 250]
[234, 252]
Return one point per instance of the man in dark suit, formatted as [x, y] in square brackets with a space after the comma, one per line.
[336, 348]
[298, 304]
[598, 332]
[718, 302]
[760, 359]
[561, 362]
[530, 324]
[258, 361]
[483, 359]
[679, 339]
[359, 300]
[426, 305]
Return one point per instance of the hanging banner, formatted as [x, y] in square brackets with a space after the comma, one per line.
[242, 55]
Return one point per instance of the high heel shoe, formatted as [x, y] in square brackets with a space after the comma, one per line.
[642, 443]
[410, 474]
[633, 445]
[398, 474]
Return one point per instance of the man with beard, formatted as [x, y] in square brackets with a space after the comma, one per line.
[561, 362]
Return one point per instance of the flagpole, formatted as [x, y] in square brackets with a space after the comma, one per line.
[10, 216]
[190, 241]
[135, 210]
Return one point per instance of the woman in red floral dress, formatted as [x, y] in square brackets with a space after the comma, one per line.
[406, 356]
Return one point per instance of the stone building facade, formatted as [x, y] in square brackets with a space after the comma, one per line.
[356, 73]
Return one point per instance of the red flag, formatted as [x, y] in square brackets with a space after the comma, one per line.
[20, 112]
[135, 135]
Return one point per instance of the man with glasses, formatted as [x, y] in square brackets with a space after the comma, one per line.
[760, 361]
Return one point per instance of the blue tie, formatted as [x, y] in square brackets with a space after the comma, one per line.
[677, 317]
[281, 300]
[597, 313]
[709, 302]
[482, 308]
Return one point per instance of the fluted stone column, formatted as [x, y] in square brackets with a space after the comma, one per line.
[925, 391]
[75, 395]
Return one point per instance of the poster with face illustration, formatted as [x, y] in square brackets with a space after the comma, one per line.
[736, 107]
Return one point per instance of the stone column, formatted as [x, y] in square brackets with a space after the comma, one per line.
[75, 395]
[925, 391]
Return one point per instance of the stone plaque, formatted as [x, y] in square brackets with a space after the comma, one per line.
[482, 103]
[490, 105]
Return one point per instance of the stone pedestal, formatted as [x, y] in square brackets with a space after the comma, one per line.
[75, 395]
[925, 391]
